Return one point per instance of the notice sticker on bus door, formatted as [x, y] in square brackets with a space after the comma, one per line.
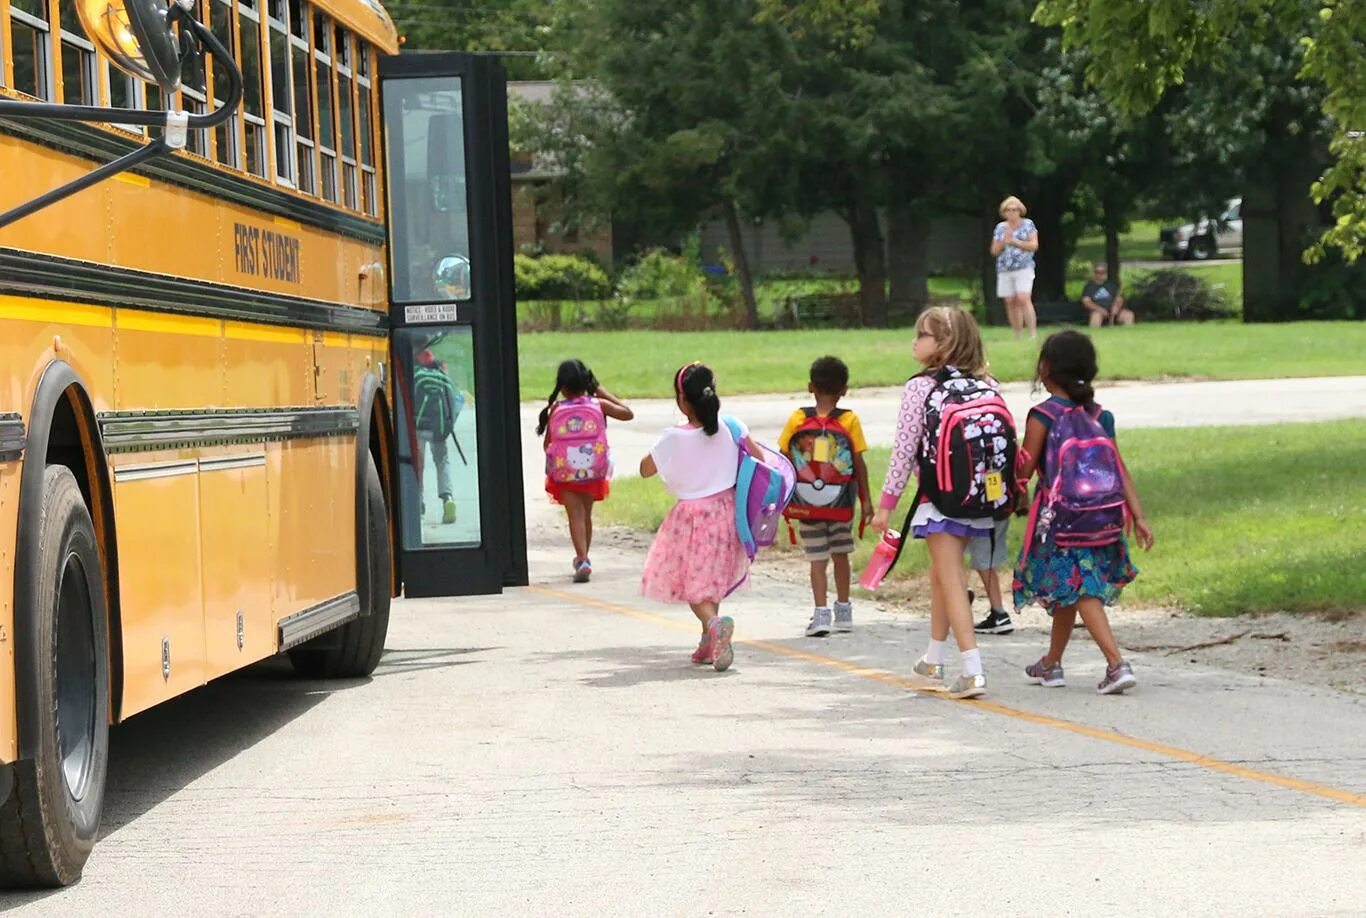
[429, 313]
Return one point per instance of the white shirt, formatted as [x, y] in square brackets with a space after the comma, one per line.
[692, 464]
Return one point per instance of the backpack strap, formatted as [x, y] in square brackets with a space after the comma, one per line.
[809, 411]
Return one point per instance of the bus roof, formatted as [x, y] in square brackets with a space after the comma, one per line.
[366, 18]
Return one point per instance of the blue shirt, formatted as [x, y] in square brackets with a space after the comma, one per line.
[1011, 258]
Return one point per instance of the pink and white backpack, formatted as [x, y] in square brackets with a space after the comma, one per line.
[577, 449]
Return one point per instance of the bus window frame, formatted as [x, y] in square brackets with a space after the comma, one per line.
[280, 121]
[43, 69]
[249, 119]
[368, 101]
[321, 23]
[305, 148]
[343, 56]
[230, 130]
[78, 44]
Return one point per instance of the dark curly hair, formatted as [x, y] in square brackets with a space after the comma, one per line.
[1068, 360]
[829, 375]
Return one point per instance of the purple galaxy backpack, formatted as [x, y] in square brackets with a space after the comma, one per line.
[1082, 501]
[762, 491]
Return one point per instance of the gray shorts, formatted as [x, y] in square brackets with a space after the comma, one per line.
[822, 538]
[981, 557]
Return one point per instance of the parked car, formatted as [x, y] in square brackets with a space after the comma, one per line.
[1207, 238]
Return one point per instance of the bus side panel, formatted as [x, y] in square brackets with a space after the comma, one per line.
[312, 500]
[33, 333]
[238, 560]
[267, 366]
[167, 361]
[159, 577]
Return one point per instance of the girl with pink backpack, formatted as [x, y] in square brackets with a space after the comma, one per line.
[573, 425]
[697, 556]
[1075, 559]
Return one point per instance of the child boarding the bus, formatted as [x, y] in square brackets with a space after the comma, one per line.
[1075, 558]
[825, 444]
[697, 556]
[573, 425]
[956, 434]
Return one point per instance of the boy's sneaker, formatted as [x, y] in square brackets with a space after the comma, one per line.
[966, 686]
[844, 616]
[819, 626]
[448, 510]
[582, 571]
[997, 622]
[703, 652]
[1117, 678]
[1045, 674]
[722, 627]
[932, 671]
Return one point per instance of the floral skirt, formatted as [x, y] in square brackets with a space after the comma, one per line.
[696, 555]
[1060, 577]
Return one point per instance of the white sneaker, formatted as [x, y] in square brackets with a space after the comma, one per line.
[844, 616]
[819, 626]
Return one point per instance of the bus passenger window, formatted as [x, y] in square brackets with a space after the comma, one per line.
[225, 135]
[428, 209]
[281, 93]
[254, 138]
[327, 123]
[78, 58]
[29, 35]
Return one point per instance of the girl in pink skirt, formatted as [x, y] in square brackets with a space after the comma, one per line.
[697, 557]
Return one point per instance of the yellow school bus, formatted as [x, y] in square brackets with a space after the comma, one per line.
[209, 450]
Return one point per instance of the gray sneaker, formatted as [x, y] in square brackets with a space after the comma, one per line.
[932, 671]
[1117, 678]
[844, 616]
[1048, 675]
[966, 686]
[819, 626]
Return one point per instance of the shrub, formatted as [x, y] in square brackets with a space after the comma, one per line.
[1173, 294]
[659, 275]
[559, 277]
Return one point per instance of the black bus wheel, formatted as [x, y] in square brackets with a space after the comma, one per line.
[354, 649]
[49, 822]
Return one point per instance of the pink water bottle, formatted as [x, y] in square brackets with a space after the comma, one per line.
[881, 561]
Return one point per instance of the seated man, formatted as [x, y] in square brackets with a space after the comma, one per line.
[1101, 298]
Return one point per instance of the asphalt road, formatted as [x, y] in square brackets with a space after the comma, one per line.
[552, 752]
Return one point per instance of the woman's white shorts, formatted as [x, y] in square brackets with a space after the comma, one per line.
[1010, 283]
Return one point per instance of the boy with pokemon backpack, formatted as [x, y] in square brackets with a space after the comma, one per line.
[826, 446]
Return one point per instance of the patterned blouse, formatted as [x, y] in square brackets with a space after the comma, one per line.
[1011, 258]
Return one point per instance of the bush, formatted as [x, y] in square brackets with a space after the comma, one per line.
[559, 277]
[659, 275]
[1172, 294]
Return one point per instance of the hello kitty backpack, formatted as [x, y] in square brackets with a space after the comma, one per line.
[577, 450]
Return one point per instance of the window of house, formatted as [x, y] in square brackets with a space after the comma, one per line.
[29, 36]
[253, 105]
[78, 58]
[327, 121]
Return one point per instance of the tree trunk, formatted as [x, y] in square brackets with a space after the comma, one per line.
[908, 238]
[737, 249]
[1111, 219]
[1047, 208]
[870, 258]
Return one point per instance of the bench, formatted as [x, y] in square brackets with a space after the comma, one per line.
[821, 309]
[1060, 312]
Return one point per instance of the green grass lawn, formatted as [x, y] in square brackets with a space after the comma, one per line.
[642, 363]
[1139, 243]
[1247, 519]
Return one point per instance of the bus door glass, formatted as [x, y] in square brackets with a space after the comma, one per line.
[461, 522]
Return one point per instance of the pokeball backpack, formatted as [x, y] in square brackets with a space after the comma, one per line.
[822, 453]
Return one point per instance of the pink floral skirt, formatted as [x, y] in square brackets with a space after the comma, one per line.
[696, 555]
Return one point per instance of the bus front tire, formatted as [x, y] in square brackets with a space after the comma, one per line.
[353, 650]
[51, 817]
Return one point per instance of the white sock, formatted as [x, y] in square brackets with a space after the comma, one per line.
[972, 662]
[935, 654]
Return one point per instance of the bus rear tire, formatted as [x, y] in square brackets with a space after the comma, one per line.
[50, 820]
[354, 649]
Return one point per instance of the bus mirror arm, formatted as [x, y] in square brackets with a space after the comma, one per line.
[176, 124]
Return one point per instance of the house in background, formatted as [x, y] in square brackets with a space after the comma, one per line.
[955, 242]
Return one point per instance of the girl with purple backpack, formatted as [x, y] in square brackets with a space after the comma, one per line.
[1075, 559]
[573, 425]
[697, 557]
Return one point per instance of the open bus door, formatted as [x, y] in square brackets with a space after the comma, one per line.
[461, 520]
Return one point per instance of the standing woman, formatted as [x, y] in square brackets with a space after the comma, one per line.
[1014, 242]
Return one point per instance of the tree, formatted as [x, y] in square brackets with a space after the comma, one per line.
[1148, 47]
[517, 29]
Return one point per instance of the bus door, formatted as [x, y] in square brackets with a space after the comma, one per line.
[461, 520]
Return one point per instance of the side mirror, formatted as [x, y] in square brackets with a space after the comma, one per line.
[137, 37]
[451, 278]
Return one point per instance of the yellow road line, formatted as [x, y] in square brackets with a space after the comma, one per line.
[889, 678]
